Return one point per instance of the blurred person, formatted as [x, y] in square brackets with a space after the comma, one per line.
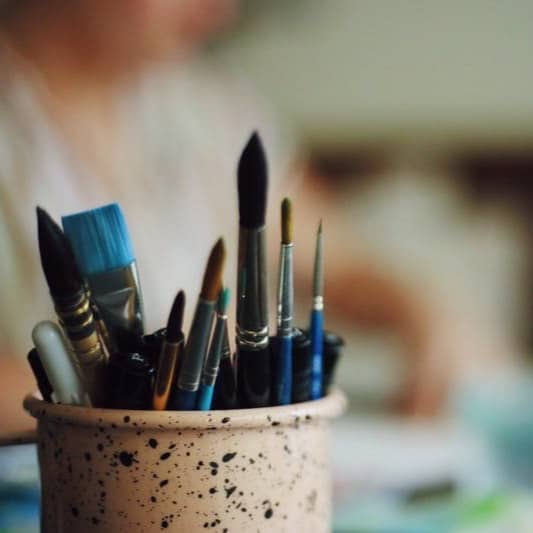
[104, 102]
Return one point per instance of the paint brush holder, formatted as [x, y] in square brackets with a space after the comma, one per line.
[107, 470]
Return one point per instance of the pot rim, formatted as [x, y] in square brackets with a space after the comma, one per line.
[328, 407]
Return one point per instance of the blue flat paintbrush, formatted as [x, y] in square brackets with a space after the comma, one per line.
[104, 252]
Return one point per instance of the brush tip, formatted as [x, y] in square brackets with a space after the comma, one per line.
[212, 283]
[175, 318]
[57, 259]
[252, 178]
[286, 221]
[100, 239]
[320, 227]
[223, 301]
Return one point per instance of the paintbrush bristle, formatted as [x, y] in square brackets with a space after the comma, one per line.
[175, 318]
[57, 258]
[252, 184]
[223, 301]
[318, 275]
[100, 239]
[286, 221]
[212, 283]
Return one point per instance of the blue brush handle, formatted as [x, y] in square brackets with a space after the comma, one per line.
[283, 386]
[186, 400]
[317, 333]
[205, 397]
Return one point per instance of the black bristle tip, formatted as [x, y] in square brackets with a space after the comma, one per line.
[175, 318]
[57, 259]
[252, 184]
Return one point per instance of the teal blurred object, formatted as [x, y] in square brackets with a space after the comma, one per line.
[502, 411]
[19, 489]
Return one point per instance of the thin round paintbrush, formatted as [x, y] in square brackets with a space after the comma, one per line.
[170, 353]
[282, 356]
[196, 345]
[253, 355]
[316, 329]
[212, 362]
[225, 396]
[71, 304]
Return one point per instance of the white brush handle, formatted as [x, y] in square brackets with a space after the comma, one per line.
[58, 365]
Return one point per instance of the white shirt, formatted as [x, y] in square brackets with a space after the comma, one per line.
[177, 187]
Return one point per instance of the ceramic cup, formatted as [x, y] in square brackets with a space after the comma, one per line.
[250, 470]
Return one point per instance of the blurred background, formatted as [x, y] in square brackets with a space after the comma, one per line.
[415, 121]
[408, 127]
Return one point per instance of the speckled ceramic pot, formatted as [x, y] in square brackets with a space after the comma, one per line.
[244, 471]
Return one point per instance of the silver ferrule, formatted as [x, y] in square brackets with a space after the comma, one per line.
[117, 294]
[212, 361]
[318, 303]
[196, 347]
[252, 313]
[226, 348]
[285, 291]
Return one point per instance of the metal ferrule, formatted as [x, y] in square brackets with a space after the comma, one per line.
[252, 312]
[78, 322]
[117, 294]
[212, 361]
[285, 291]
[195, 349]
[226, 348]
[318, 303]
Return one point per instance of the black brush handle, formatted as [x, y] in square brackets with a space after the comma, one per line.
[39, 372]
[253, 377]
[301, 367]
[333, 347]
[225, 396]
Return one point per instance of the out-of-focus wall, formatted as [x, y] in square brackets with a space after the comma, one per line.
[454, 72]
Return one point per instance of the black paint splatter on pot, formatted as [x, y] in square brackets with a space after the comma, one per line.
[126, 458]
[230, 491]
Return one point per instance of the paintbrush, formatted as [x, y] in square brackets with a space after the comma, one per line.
[225, 396]
[171, 352]
[198, 338]
[282, 354]
[71, 303]
[316, 329]
[212, 362]
[104, 252]
[253, 356]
